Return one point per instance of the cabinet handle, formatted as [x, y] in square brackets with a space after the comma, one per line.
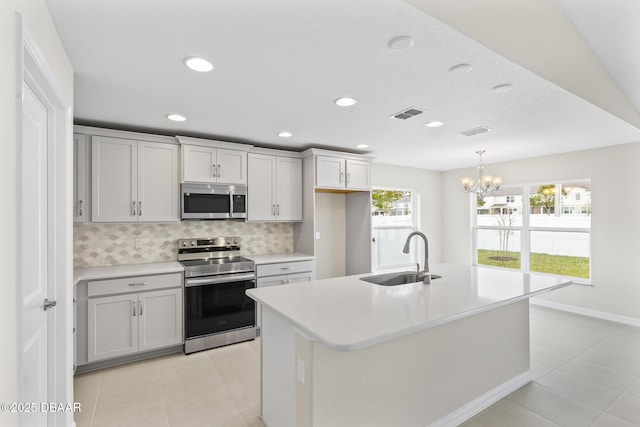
[133, 303]
[277, 209]
[348, 177]
[341, 177]
[133, 208]
[79, 207]
[273, 210]
[219, 171]
[140, 308]
[138, 284]
[213, 171]
[139, 208]
[286, 268]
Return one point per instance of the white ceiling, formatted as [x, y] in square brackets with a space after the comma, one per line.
[280, 64]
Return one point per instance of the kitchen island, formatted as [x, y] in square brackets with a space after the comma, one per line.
[345, 352]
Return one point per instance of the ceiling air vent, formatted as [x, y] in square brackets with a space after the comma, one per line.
[475, 131]
[407, 113]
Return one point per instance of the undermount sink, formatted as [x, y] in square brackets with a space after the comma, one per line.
[395, 279]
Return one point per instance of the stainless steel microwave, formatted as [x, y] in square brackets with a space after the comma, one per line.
[214, 201]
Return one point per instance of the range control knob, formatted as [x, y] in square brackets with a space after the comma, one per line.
[228, 241]
[193, 243]
[184, 244]
[235, 241]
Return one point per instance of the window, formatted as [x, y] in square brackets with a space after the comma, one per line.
[394, 216]
[536, 228]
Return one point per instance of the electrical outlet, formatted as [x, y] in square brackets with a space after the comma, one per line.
[301, 373]
[138, 243]
[317, 235]
[270, 238]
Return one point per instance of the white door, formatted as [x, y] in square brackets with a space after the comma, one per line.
[289, 189]
[199, 164]
[232, 166]
[114, 170]
[159, 319]
[79, 178]
[112, 326]
[261, 184]
[330, 172]
[34, 280]
[157, 182]
[358, 175]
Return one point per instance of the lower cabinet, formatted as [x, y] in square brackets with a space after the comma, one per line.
[127, 323]
[283, 273]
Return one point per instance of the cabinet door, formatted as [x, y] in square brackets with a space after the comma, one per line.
[160, 318]
[198, 164]
[80, 178]
[261, 187]
[113, 179]
[157, 182]
[330, 172]
[113, 326]
[358, 175]
[232, 166]
[289, 189]
[301, 277]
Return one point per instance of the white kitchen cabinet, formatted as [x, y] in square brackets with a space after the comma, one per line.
[80, 165]
[210, 164]
[282, 273]
[133, 181]
[126, 323]
[342, 173]
[275, 188]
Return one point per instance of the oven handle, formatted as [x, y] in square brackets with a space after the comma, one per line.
[217, 280]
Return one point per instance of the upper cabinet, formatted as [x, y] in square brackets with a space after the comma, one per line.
[80, 172]
[213, 161]
[275, 186]
[342, 173]
[133, 181]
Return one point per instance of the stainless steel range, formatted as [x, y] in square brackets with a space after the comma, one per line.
[217, 310]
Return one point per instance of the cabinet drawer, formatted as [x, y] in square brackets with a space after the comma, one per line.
[133, 284]
[283, 268]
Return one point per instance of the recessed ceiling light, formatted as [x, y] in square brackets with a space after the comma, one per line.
[285, 134]
[198, 64]
[345, 102]
[176, 117]
[434, 124]
[460, 69]
[506, 87]
[400, 43]
[362, 146]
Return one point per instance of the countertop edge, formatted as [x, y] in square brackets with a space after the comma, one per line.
[117, 271]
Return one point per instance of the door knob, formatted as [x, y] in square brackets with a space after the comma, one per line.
[48, 304]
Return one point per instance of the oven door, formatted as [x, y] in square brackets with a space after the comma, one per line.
[217, 304]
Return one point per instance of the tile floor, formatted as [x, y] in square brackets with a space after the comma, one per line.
[586, 373]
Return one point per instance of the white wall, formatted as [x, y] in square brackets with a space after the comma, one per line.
[331, 248]
[615, 225]
[40, 25]
[428, 185]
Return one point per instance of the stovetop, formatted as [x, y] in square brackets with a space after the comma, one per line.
[212, 256]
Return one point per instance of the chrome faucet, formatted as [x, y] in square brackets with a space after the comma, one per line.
[423, 275]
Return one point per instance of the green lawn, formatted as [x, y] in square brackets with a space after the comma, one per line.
[544, 263]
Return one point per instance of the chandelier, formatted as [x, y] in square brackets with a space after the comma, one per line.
[485, 183]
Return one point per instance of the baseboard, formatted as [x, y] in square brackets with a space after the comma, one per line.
[478, 405]
[587, 312]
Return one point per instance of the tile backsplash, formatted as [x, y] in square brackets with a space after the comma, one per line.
[96, 245]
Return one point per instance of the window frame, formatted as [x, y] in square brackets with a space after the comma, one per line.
[525, 231]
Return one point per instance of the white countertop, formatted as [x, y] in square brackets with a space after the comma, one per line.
[276, 258]
[115, 271]
[347, 313]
